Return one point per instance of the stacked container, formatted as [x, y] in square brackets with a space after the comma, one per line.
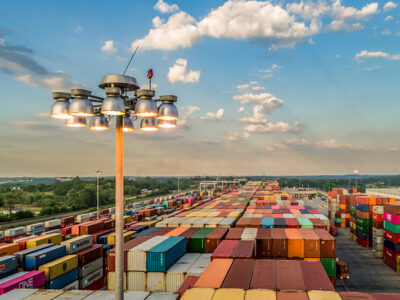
[377, 231]
[391, 250]
[364, 220]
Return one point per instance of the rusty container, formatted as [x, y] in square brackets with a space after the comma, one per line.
[240, 274]
[290, 276]
[312, 243]
[264, 242]
[214, 238]
[234, 234]
[264, 274]
[243, 249]
[327, 243]
[315, 277]
[279, 242]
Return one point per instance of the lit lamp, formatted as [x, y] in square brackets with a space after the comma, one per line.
[146, 107]
[127, 124]
[99, 123]
[81, 105]
[76, 122]
[113, 105]
[149, 124]
[60, 108]
[167, 110]
[166, 123]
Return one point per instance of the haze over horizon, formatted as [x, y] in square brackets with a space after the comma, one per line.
[264, 87]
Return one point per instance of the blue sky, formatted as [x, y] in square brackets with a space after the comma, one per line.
[274, 87]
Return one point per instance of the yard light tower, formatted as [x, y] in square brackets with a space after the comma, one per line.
[126, 103]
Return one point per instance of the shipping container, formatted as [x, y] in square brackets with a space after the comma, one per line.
[214, 275]
[35, 259]
[315, 277]
[136, 281]
[91, 278]
[323, 295]
[260, 294]
[62, 280]
[77, 244]
[90, 267]
[136, 258]
[240, 274]
[60, 267]
[54, 238]
[30, 280]
[264, 274]
[8, 265]
[199, 294]
[162, 256]
[232, 294]
[177, 273]
[155, 281]
[8, 249]
[111, 282]
[90, 254]
[289, 275]
[71, 286]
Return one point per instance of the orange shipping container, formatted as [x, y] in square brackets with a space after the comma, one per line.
[9, 249]
[177, 231]
[295, 243]
[214, 275]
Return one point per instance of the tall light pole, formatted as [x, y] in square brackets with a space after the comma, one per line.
[356, 173]
[125, 109]
[98, 172]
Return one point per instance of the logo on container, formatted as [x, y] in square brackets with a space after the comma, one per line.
[26, 284]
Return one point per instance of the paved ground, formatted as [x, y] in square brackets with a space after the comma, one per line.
[367, 273]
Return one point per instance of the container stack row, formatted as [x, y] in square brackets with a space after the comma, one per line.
[391, 250]
[377, 231]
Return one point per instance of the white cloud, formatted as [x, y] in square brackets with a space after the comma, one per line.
[58, 81]
[257, 88]
[185, 115]
[78, 29]
[214, 116]
[269, 127]
[240, 109]
[392, 149]
[389, 6]
[331, 144]
[308, 10]
[236, 137]
[165, 8]
[146, 86]
[243, 86]
[108, 47]
[373, 68]
[268, 101]
[269, 72]
[337, 55]
[389, 18]
[179, 72]
[257, 118]
[386, 32]
[376, 54]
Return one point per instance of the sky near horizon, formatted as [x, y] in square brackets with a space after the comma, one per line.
[264, 87]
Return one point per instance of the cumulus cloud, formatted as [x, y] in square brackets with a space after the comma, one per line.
[19, 62]
[257, 118]
[185, 115]
[269, 127]
[165, 8]
[236, 137]
[240, 109]
[376, 54]
[108, 47]
[261, 21]
[214, 116]
[389, 6]
[243, 87]
[268, 101]
[331, 144]
[179, 72]
[269, 72]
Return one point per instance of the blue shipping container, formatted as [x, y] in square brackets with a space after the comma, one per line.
[103, 238]
[267, 223]
[148, 231]
[38, 258]
[21, 254]
[8, 265]
[63, 280]
[106, 247]
[165, 254]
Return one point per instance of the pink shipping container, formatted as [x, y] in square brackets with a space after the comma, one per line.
[31, 280]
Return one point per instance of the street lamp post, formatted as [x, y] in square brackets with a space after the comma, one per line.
[125, 109]
[98, 172]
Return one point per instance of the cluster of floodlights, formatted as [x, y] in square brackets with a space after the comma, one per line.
[74, 107]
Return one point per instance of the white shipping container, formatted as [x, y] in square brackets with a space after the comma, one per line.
[82, 218]
[78, 243]
[199, 265]
[52, 223]
[72, 286]
[136, 281]
[249, 234]
[377, 209]
[90, 267]
[34, 227]
[15, 231]
[136, 258]
[156, 281]
[111, 281]
[213, 223]
[177, 273]
[377, 232]
[227, 222]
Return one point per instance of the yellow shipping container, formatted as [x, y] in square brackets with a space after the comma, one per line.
[59, 266]
[149, 223]
[198, 293]
[127, 219]
[127, 237]
[234, 214]
[54, 238]
[260, 295]
[231, 294]
[323, 295]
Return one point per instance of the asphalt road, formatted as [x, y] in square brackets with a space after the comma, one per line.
[367, 273]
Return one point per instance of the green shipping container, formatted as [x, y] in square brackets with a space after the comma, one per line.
[353, 211]
[392, 227]
[329, 265]
[198, 240]
[364, 222]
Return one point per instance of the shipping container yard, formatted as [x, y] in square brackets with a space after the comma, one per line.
[255, 241]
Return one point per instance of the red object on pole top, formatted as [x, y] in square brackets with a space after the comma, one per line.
[150, 73]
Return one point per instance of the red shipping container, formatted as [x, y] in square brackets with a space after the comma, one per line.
[109, 224]
[290, 276]
[214, 238]
[264, 242]
[187, 284]
[67, 221]
[394, 237]
[90, 254]
[225, 249]
[240, 274]
[315, 277]
[234, 234]
[264, 274]
[280, 242]
[291, 295]
[95, 236]
[97, 285]
[243, 249]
